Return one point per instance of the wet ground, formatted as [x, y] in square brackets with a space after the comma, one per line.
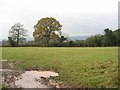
[14, 78]
[34, 79]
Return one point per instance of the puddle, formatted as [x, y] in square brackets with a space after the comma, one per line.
[33, 79]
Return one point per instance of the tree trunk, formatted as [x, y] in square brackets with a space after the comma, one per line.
[18, 38]
[47, 44]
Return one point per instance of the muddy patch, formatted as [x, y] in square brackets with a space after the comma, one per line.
[8, 65]
[13, 78]
[34, 79]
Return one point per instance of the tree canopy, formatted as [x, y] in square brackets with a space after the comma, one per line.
[47, 28]
[109, 39]
[17, 33]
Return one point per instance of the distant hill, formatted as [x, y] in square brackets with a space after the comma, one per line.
[78, 37]
[30, 38]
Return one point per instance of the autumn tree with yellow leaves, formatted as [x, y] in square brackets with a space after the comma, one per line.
[48, 29]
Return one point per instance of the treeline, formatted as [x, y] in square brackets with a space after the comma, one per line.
[109, 38]
[47, 33]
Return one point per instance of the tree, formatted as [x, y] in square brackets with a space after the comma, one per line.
[17, 33]
[71, 43]
[4, 43]
[94, 41]
[109, 38]
[117, 35]
[47, 28]
[12, 43]
[62, 39]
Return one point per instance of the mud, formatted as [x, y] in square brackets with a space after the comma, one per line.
[14, 78]
[33, 79]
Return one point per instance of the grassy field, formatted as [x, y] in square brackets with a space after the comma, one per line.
[77, 67]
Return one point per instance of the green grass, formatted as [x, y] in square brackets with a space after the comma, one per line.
[77, 67]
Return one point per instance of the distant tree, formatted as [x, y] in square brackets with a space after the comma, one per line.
[117, 35]
[98, 40]
[47, 28]
[94, 41]
[12, 43]
[5, 43]
[109, 38]
[79, 43]
[17, 33]
[62, 38]
[71, 43]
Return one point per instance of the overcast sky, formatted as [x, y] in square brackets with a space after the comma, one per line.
[78, 17]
